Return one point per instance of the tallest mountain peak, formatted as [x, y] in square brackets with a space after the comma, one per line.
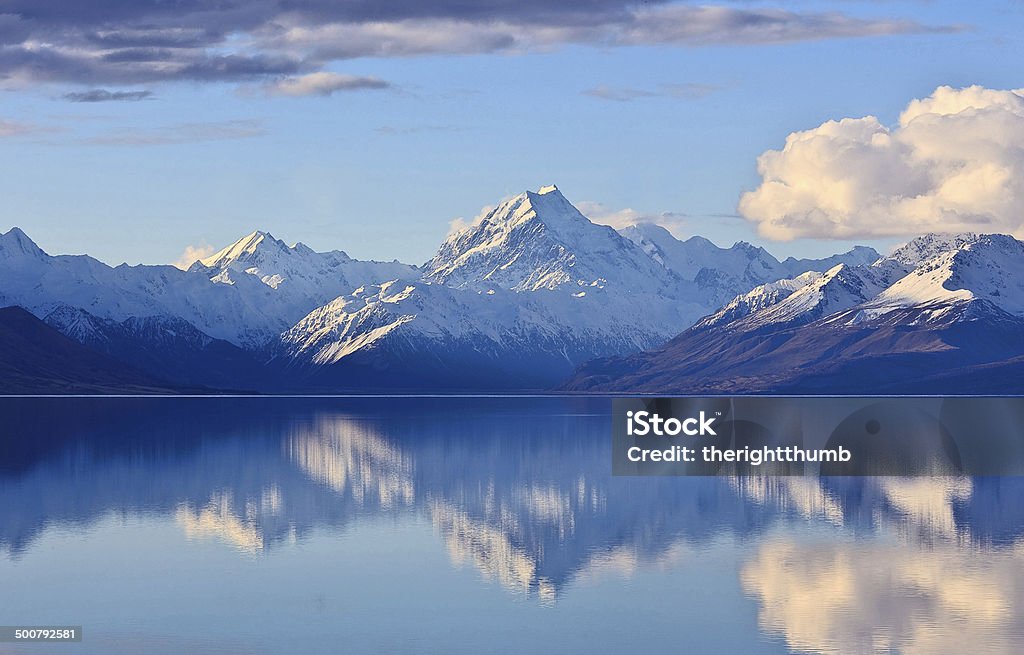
[539, 240]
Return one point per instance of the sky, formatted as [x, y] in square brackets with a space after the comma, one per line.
[139, 130]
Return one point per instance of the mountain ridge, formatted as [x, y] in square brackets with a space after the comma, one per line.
[886, 329]
[520, 299]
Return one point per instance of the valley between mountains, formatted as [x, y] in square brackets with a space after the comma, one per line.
[531, 297]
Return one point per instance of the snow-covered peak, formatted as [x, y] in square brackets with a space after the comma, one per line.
[856, 256]
[540, 240]
[302, 248]
[839, 288]
[799, 300]
[687, 259]
[15, 243]
[961, 268]
[255, 248]
[758, 298]
[920, 249]
[551, 188]
[298, 270]
[952, 274]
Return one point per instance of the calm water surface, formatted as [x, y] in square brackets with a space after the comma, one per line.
[470, 525]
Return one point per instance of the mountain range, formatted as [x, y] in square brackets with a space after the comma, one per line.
[941, 315]
[535, 296]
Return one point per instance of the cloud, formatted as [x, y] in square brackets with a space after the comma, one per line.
[321, 84]
[460, 224]
[626, 94]
[674, 222]
[103, 95]
[182, 133]
[14, 128]
[145, 41]
[952, 163]
[620, 94]
[689, 90]
[658, 24]
[192, 254]
[392, 130]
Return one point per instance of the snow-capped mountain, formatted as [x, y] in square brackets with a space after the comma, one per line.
[36, 359]
[409, 333]
[802, 299]
[943, 314]
[242, 313]
[718, 273]
[305, 278]
[247, 294]
[541, 241]
[518, 300]
[166, 347]
[972, 267]
[528, 292]
[753, 263]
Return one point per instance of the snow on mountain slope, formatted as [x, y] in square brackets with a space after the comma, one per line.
[91, 330]
[928, 246]
[750, 264]
[758, 298]
[837, 289]
[803, 299]
[931, 271]
[856, 256]
[248, 294]
[971, 267]
[541, 241]
[168, 347]
[536, 283]
[243, 314]
[952, 324]
[36, 359]
[458, 334]
[529, 291]
[310, 278]
[743, 261]
[719, 274]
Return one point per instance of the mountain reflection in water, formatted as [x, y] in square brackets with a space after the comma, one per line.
[520, 490]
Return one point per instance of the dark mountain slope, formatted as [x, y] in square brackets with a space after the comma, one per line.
[35, 359]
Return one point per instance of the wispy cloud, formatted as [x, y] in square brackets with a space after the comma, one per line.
[459, 223]
[392, 130]
[15, 128]
[103, 95]
[192, 254]
[121, 42]
[689, 91]
[597, 212]
[182, 133]
[321, 84]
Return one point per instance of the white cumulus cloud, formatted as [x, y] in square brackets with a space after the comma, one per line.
[953, 163]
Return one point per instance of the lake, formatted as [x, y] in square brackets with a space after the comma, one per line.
[467, 525]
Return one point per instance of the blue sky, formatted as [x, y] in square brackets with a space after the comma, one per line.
[663, 126]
